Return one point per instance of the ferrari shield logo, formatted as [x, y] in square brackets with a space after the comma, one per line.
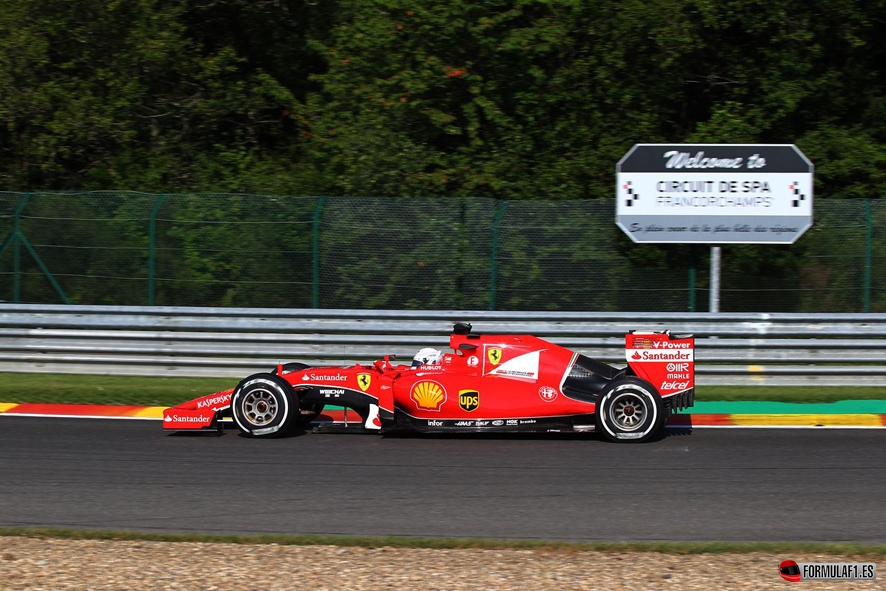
[363, 380]
[469, 400]
[494, 355]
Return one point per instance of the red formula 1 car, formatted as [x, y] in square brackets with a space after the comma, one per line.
[500, 383]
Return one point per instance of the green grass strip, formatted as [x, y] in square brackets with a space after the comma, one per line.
[96, 389]
[842, 549]
[165, 391]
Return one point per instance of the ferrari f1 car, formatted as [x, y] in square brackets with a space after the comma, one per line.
[501, 383]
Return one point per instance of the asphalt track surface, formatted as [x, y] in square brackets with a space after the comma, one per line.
[711, 484]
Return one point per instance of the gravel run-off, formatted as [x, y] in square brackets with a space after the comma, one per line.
[36, 563]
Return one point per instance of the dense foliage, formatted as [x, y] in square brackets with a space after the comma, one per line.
[508, 99]
[504, 100]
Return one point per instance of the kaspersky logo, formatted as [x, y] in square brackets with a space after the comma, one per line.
[215, 400]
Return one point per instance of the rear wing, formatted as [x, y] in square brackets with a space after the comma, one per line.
[667, 362]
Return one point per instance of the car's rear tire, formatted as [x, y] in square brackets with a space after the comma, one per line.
[309, 412]
[264, 405]
[629, 410]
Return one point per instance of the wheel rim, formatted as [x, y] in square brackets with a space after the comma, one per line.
[259, 407]
[628, 411]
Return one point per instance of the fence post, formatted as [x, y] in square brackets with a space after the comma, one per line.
[692, 255]
[152, 240]
[315, 247]
[493, 273]
[461, 246]
[17, 248]
[868, 254]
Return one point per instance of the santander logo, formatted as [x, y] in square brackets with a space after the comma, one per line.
[643, 355]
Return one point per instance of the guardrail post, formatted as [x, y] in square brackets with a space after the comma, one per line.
[315, 247]
[152, 239]
[493, 272]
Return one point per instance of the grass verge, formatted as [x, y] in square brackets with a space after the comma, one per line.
[89, 389]
[842, 549]
[163, 391]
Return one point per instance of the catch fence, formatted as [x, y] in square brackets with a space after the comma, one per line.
[126, 248]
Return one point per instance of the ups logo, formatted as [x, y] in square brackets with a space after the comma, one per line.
[469, 400]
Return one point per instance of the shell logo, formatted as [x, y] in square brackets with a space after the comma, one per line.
[428, 395]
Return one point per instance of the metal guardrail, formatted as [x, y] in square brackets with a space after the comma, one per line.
[731, 349]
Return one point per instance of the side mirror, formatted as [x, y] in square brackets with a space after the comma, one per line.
[462, 328]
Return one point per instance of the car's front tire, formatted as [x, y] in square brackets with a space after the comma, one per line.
[308, 412]
[629, 410]
[264, 405]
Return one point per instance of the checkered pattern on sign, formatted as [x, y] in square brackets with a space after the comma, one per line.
[630, 192]
[798, 196]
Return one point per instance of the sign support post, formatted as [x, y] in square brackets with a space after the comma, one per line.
[715, 279]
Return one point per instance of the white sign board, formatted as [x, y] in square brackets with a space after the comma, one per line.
[714, 194]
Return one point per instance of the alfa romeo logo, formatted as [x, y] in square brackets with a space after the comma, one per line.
[547, 393]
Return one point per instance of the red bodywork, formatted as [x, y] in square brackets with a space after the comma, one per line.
[487, 382]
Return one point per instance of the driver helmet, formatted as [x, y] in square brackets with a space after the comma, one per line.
[427, 356]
